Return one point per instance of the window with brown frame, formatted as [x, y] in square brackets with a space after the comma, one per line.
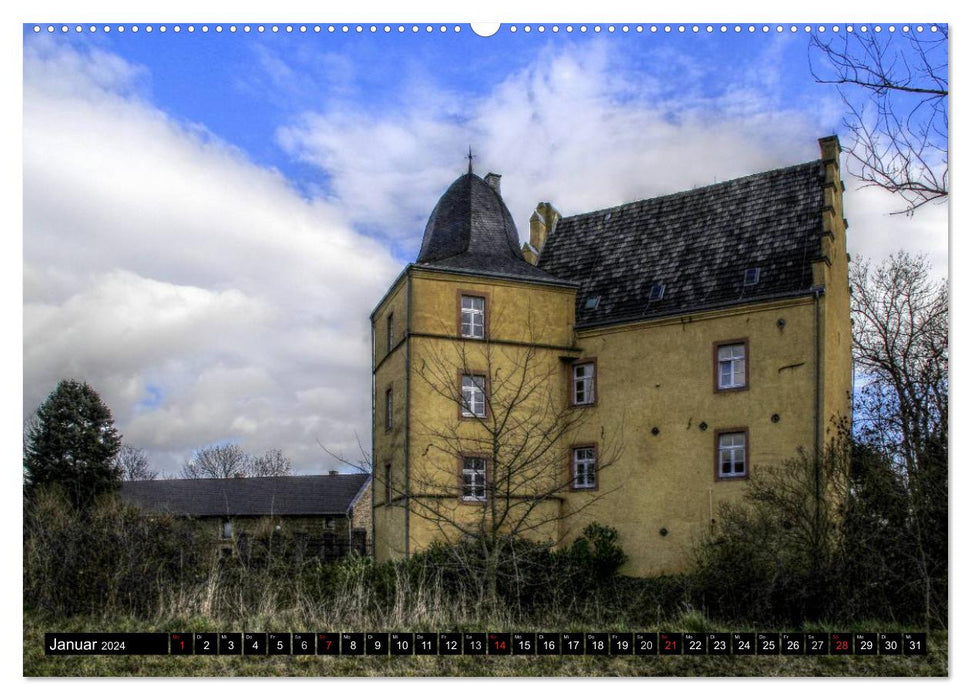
[731, 365]
[473, 396]
[583, 467]
[474, 475]
[731, 453]
[472, 316]
[583, 383]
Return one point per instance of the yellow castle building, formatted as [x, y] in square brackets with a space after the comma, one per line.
[632, 366]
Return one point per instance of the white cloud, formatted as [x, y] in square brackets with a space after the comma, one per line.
[199, 293]
[207, 300]
[582, 128]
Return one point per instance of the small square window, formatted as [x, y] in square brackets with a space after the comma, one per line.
[732, 455]
[731, 366]
[473, 479]
[657, 292]
[583, 384]
[752, 276]
[583, 463]
[591, 303]
[472, 317]
[473, 396]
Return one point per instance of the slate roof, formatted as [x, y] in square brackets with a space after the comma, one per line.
[471, 230]
[272, 495]
[698, 244]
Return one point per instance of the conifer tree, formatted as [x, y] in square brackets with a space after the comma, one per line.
[72, 443]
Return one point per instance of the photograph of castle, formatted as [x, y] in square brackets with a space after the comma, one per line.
[513, 350]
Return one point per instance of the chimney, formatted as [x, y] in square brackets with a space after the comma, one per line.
[829, 149]
[541, 225]
[332, 472]
[493, 181]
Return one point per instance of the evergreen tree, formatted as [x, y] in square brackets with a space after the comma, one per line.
[72, 443]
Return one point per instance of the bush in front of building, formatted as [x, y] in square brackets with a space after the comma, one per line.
[106, 558]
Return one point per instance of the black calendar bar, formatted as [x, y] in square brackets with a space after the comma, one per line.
[105, 643]
[650, 644]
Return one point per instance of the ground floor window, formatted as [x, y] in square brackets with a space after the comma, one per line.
[473, 478]
[732, 454]
[584, 467]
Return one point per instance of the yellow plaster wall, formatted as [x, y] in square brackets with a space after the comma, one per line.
[661, 375]
[389, 445]
[516, 311]
[649, 375]
[837, 330]
[527, 326]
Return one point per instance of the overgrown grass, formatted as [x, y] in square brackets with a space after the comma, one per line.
[111, 570]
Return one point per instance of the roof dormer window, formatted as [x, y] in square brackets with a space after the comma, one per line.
[752, 276]
[657, 292]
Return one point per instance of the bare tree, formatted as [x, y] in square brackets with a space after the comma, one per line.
[895, 88]
[504, 451]
[900, 345]
[900, 342]
[133, 464]
[361, 465]
[217, 462]
[271, 463]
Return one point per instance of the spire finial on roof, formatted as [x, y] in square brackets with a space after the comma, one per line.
[470, 157]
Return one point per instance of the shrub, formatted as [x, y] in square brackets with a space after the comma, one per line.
[106, 558]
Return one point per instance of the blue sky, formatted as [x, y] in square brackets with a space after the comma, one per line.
[209, 217]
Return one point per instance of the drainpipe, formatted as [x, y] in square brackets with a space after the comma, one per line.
[407, 489]
[373, 453]
[349, 514]
[818, 409]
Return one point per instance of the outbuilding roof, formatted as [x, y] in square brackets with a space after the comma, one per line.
[256, 496]
[745, 240]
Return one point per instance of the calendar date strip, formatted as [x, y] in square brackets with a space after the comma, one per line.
[486, 643]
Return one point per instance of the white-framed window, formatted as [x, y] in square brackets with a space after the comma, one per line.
[732, 455]
[473, 396]
[473, 316]
[583, 384]
[473, 478]
[227, 529]
[731, 366]
[583, 463]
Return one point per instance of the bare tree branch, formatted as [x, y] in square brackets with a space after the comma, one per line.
[271, 463]
[523, 435]
[895, 88]
[217, 462]
[133, 464]
[363, 463]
